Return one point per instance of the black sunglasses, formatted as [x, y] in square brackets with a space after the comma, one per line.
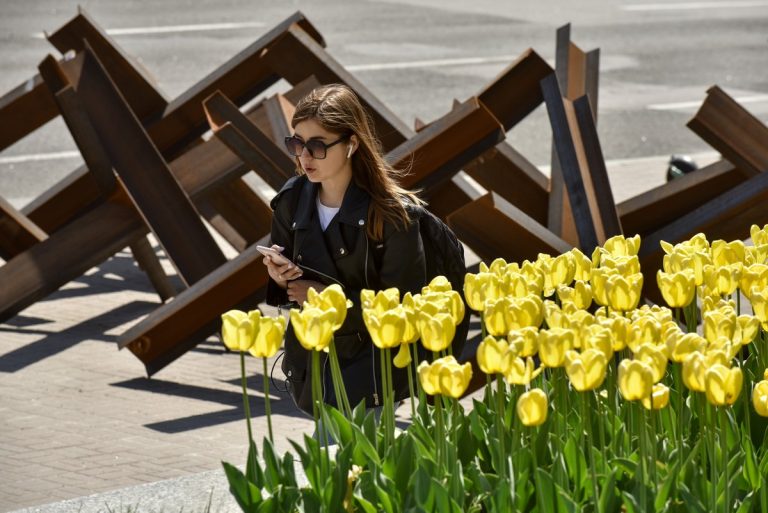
[316, 148]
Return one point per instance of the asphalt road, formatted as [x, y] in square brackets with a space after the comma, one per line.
[418, 55]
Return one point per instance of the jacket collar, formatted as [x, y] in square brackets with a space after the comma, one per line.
[354, 206]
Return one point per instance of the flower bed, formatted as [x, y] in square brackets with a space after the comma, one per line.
[591, 403]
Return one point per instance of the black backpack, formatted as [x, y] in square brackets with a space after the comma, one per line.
[444, 255]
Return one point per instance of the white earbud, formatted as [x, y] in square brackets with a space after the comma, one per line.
[349, 152]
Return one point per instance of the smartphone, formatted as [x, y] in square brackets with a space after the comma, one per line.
[275, 255]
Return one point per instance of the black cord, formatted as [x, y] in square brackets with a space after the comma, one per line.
[272, 375]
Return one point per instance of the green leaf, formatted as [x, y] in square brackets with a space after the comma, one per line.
[248, 497]
[252, 467]
[630, 503]
[272, 467]
[565, 503]
[406, 463]
[608, 494]
[343, 430]
[666, 487]
[366, 505]
[545, 489]
[421, 485]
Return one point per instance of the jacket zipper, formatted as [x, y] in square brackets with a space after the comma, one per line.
[373, 351]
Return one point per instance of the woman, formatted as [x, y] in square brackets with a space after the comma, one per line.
[345, 220]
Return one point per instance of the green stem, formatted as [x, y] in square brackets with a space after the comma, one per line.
[500, 431]
[246, 402]
[643, 459]
[342, 400]
[534, 457]
[601, 432]
[439, 438]
[267, 407]
[317, 398]
[723, 413]
[391, 392]
[590, 453]
[412, 392]
[712, 459]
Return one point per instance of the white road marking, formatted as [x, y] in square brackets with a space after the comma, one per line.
[686, 6]
[33, 157]
[464, 61]
[171, 29]
[694, 104]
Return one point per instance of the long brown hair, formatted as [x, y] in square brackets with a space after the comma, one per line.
[337, 109]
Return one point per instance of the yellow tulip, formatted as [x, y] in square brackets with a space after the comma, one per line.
[659, 398]
[754, 277]
[555, 316]
[746, 329]
[680, 345]
[676, 262]
[624, 265]
[655, 357]
[723, 280]
[534, 276]
[524, 312]
[313, 327]
[723, 385]
[621, 246]
[644, 330]
[635, 379]
[562, 270]
[331, 297]
[678, 288]
[403, 357]
[760, 307]
[454, 378]
[526, 339]
[760, 398]
[269, 337]
[495, 316]
[662, 314]
[387, 329]
[519, 371]
[583, 265]
[436, 331]
[580, 294]
[553, 343]
[490, 353]
[693, 372]
[380, 301]
[727, 253]
[585, 370]
[720, 323]
[238, 329]
[429, 377]
[498, 267]
[479, 288]
[619, 328]
[438, 284]
[532, 407]
[595, 336]
[758, 235]
[516, 285]
[624, 292]
[455, 305]
[598, 281]
[756, 255]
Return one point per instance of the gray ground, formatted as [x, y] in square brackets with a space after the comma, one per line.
[77, 417]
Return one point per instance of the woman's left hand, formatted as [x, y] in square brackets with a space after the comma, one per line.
[297, 289]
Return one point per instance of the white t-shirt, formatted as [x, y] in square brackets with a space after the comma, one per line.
[325, 214]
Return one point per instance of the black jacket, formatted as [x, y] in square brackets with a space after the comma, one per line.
[342, 254]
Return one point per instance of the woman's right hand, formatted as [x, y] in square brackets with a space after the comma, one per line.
[281, 274]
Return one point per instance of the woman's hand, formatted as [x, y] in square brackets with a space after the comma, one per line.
[297, 289]
[281, 274]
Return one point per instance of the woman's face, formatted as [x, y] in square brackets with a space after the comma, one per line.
[335, 166]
